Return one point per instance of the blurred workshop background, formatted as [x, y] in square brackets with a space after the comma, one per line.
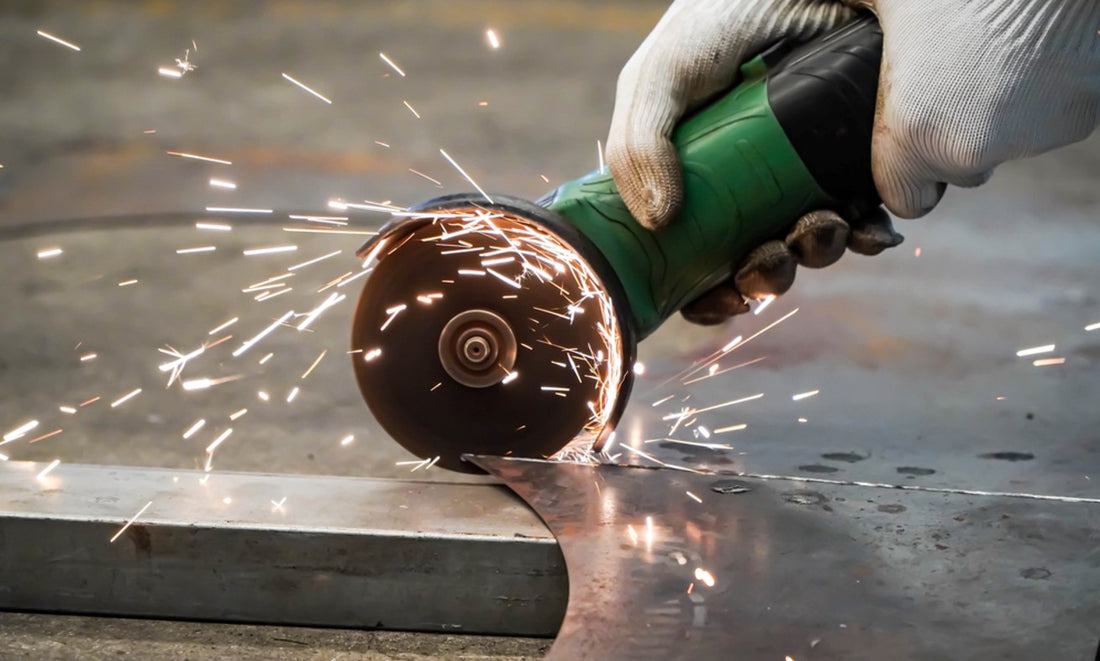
[106, 226]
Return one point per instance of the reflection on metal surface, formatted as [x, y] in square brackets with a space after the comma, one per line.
[679, 565]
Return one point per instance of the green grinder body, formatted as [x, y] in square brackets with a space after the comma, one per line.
[793, 136]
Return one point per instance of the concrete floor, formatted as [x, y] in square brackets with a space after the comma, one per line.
[911, 353]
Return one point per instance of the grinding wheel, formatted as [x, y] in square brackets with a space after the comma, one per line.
[481, 331]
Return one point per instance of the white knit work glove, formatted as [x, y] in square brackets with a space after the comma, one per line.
[965, 85]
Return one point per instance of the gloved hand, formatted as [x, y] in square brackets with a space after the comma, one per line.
[964, 86]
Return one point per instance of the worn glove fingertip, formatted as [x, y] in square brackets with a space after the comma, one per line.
[818, 239]
[715, 306]
[767, 271]
[873, 233]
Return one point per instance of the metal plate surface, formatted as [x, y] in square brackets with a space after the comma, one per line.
[278, 549]
[811, 571]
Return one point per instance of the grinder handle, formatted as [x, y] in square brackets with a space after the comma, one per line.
[794, 135]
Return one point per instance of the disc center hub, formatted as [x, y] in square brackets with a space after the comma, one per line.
[477, 348]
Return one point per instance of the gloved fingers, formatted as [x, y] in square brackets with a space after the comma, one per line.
[872, 233]
[715, 306]
[902, 181]
[647, 170]
[818, 239]
[692, 54]
[767, 271]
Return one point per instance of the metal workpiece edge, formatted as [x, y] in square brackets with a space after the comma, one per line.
[279, 549]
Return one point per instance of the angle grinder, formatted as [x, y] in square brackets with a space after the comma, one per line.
[495, 325]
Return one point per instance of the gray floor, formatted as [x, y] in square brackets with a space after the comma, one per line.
[911, 353]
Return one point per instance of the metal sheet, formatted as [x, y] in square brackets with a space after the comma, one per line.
[811, 571]
[277, 549]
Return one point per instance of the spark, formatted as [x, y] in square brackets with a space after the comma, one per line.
[544, 178]
[88, 356]
[708, 446]
[46, 471]
[802, 420]
[804, 395]
[191, 251]
[67, 410]
[694, 497]
[723, 430]
[314, 260]
[497, 261]
[512, 376]
[503, 278]
[264, 333]
[20, 431]
[705, 576]
[737, 343]
[308, 89]
[278, 506]
[125, 398]
[218, 441]
[169, 72]
[392, 64]
[347, 440]
[315, 363]
[93, 400]
[431, 179]
[293, 394]
[332, 300]
[374, 252]
[392, 312]
[329, 220]
[199, 157]
[764, 303]
[649, 534]
[639, 368]
[237, 414]
[58, 40]
[689, 412]
[371, 355]
[916, 253]
[494, 40]
[131, 521]
[127, 283]
[468, 178]
[263, 395]
[205, 383]
[223, 183]
[1092, 327]
[227, 500]
[554, 389]
[471, 272]
[411, 109]
[632, 533]
[317, 230]
[238, 210]
[223, 326]
[713, 372]
[433, 388]
[661, 401]
[198, 424]
[382, 144]
[46, 253]
[177, 366]
[1043, 362]
[1046, 348]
